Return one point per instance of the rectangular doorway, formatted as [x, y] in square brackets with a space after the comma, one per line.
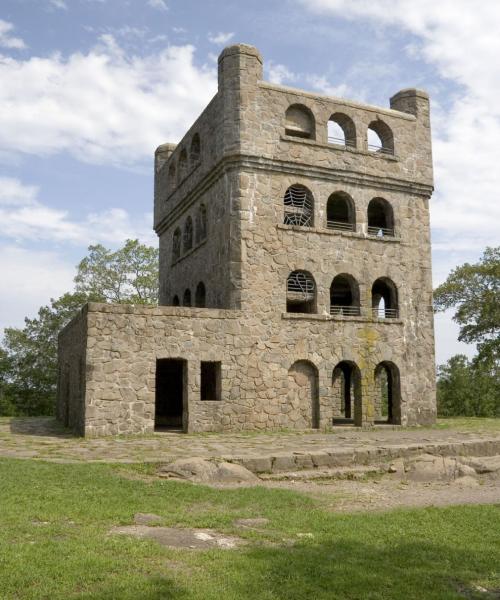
[170, 391]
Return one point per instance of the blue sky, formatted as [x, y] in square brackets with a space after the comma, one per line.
[89, 88]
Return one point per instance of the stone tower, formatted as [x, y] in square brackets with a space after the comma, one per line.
[295, 270]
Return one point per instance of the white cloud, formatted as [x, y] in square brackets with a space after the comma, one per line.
[24, 218]
[104, 106]
[29, 280]
[278, 73]
[159, 4]
[60, 4]
[462, 42]
[15, 193]
[322, 85]
[220, 38]
[6, 40]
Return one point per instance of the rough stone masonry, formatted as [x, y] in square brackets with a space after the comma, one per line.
[295, 273]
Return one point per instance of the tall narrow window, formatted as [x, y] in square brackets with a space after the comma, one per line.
[298, 206]
[188, 234]
[200, 295]
[176, 245]
[171, 178]
[186, 299]
[210, 381]
[201, 223]
[195, 150]
[175, 301]
[182, 167]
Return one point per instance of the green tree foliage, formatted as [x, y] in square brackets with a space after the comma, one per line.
[468, 388]
[474, 292]
[129, 275]
[28, 358]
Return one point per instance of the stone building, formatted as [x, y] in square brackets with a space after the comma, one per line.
[295, 273]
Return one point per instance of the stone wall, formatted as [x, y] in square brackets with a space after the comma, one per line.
[258, 358]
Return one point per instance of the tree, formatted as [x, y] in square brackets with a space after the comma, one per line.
[128, 275]
[468, 388]
[474, 292]
[30, 365]
[28, 359]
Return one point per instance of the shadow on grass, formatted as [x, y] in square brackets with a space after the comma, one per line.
[348, 570]
[40, 426]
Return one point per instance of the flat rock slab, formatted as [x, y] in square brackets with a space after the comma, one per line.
[176, 537]
[200, 470]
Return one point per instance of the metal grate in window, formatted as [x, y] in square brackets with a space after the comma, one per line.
[298, 206]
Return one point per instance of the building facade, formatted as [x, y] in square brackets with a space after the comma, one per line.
[295, 273]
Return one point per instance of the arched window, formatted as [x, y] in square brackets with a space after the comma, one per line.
[300, 293]
[299, 206]
[380, 138]
[176, 245]
[346, 392]
[384, 299]
[303, 395]
[299, 122]
[175, 301]
[380, 218]
[186, 299]
[200, 295]
[171, 178]
[182, 166]
[340, 213]
[341, 130]
[188, 234]
[195, 150]
[201, 223]
[344, 296]
[387, 394]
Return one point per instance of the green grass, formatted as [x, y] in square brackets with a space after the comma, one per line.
[54, 542]
[468, 423]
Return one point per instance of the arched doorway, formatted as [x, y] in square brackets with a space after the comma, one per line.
[346, 394]
[387, 399]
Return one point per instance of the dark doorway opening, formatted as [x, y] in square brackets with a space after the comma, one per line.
[346, 389]
[170, 386]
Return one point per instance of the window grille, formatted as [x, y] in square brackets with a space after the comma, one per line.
[298, 206]
[301, 283]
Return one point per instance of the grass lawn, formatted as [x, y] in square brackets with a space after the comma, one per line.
[54, 542]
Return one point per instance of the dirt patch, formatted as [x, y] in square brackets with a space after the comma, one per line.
[389, 492]
[173, 537]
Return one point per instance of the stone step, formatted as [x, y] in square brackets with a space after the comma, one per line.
[319, 474]
[282, 462]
